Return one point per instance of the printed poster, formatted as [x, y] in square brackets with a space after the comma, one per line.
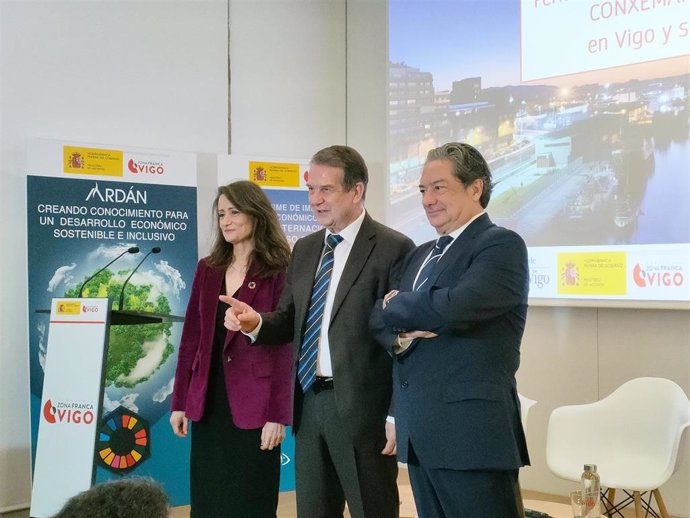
[87, 205]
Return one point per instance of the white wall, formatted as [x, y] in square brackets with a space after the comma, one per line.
[367, 95]
[287, 60]
[149, 74]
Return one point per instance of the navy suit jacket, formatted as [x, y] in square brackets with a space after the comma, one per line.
[258, 379]
[455, 395]
[361, 369]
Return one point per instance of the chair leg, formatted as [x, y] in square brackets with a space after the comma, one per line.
[611, 494]
[660, 503]
[638, 504]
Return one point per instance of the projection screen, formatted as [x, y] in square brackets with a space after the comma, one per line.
[581, 109]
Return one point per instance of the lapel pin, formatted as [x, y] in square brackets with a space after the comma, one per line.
[251, 285]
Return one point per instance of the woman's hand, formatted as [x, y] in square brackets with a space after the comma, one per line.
[272, 435]
[179, 423]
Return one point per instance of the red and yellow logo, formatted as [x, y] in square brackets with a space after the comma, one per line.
[570, 276]
[259, 174]
[75, 161]
[68, 307]
[86, 160]
[592, 273]
[274, 174]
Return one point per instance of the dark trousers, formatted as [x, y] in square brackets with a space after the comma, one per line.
[330, 469]
[450, 493]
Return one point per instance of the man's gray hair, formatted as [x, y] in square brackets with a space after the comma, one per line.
[468, 165]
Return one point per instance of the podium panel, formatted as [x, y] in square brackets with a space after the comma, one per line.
[71, 402]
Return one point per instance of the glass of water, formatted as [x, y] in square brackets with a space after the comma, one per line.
[577, 504]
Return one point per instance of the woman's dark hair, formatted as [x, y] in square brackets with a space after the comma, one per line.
[271, 250]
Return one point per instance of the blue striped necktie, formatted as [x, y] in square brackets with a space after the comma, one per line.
[428, 266]
[306, 369]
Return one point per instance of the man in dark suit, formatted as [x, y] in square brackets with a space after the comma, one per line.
[344, 446]
[455, 327]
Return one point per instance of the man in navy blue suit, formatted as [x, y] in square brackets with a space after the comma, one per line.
[455, 324]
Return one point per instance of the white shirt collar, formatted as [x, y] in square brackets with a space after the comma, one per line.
[349, 233]
[455, 233]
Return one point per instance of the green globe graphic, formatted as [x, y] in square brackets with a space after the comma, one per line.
[135, 352]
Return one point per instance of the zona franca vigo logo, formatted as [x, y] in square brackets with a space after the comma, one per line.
[145, 166]
[69, 412]
[658, 276]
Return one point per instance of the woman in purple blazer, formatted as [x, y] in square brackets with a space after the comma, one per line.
[237, 394]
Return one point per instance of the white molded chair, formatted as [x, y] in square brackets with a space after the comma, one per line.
[525, 404]
[632, 436]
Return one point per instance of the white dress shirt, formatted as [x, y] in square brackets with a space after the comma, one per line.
[340, 255]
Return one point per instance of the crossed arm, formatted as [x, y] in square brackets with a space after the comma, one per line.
[492, 283]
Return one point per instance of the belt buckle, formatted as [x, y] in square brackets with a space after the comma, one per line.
[322, 383]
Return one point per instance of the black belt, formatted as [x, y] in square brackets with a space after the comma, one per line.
[322, 383]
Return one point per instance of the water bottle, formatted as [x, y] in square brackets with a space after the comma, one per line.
[590, 491]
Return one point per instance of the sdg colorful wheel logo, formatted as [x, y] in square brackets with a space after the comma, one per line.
[123, 441]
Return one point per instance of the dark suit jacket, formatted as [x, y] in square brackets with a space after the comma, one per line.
[455, 395]
[361, 369]
[258, 379]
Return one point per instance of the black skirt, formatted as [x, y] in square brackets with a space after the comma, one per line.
[231, 477]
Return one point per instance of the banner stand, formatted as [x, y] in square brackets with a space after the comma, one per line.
[71, 403]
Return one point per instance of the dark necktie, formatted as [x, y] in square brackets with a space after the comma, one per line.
[428, 266]
[306, 369]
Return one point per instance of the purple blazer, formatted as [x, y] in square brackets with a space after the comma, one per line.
[258, 379]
